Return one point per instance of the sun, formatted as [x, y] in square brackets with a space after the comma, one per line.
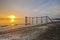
[12, 17]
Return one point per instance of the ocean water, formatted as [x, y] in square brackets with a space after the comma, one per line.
[18, 23]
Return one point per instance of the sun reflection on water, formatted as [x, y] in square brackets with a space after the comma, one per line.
[12, 20]
[12, 26]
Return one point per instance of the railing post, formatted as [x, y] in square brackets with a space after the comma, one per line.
[46, 19]
[29, 20]
[41, 20]
[36, 20]
[26, 20]
[32, 20]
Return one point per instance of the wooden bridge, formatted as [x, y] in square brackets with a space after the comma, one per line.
[37, 20]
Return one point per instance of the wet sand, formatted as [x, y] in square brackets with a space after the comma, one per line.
[48, 32]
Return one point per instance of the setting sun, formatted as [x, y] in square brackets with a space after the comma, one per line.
[12, 18]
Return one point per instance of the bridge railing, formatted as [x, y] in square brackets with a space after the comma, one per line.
[37, 20]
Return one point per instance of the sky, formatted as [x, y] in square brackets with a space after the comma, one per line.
[30, 8]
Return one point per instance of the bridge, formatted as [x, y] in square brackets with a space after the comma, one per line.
[38, 20]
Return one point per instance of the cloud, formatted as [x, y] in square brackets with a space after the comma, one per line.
[31, 7]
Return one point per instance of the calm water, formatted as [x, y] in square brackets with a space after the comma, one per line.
[12, 22]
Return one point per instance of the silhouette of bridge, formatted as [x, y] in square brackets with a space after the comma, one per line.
[37, 20]
[40, 21]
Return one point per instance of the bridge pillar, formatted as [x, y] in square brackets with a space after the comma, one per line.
[46, 19]
[29, 20]
[36, 20]
[32, 20]
[26, 20]
[41, 20]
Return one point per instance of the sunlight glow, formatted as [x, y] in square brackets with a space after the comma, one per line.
[12, 18]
